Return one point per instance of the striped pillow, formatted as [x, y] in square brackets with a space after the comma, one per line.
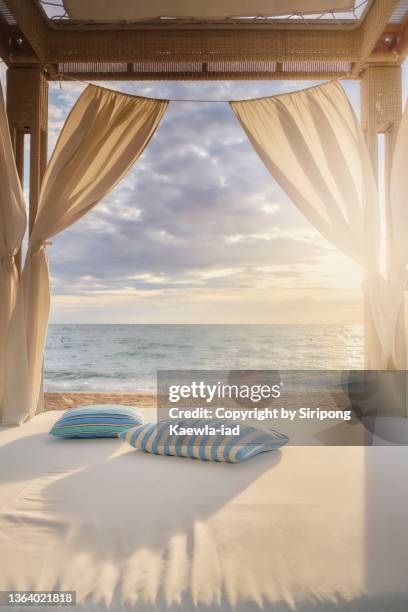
[156, 438]
[101, 421]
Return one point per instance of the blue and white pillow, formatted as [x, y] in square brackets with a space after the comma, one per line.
[100, 421]
[157, 438]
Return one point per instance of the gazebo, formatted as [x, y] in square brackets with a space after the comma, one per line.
[51, 40]
[97, 524]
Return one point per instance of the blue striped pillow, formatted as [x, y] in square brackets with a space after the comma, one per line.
[100, 421]
[156, 438]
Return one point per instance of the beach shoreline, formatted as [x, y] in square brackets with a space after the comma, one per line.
[73, 399]
[62, 400]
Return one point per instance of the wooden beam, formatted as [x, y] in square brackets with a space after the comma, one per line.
[203, 45]
[32, 25]
[204, 76]
[27, 108]
[374, 24]
[53, 46]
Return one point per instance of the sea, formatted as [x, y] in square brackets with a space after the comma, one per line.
[124, 358]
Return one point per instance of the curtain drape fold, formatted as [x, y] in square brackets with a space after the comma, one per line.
[103, 136]
[12, 227]
[397, 239]
[312, 144]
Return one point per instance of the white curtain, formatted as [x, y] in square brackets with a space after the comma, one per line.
[103, 136]
[398, 253]
[313, 146]
[12, 227]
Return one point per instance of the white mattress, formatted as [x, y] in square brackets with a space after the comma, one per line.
[307, 529]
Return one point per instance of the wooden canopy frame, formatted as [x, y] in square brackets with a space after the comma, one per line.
[255, 50]
[37, 50]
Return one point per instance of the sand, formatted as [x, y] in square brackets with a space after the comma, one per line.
[71, 399]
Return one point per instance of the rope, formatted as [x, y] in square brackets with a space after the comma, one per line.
[71, 78]
[267, 18]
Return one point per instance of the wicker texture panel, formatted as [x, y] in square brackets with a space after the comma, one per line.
[27, 98]
[208, 76]
[202, 45]
[317, 67]
[205, 70]
[381, 97]
[31, 24]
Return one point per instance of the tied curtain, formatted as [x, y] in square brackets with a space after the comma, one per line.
[312, 144]
[102, 137]
[12, 228]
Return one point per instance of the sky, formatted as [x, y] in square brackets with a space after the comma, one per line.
[198, 231]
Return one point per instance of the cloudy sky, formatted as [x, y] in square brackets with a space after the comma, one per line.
[198, 231]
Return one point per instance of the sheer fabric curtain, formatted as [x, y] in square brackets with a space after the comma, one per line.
[12, 227]
[103, 136]
[397, 268]
[313, 146]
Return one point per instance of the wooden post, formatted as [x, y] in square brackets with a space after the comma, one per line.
[381, 110]
[27, 108]
[17, 141]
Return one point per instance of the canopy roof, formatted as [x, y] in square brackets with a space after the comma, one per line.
[141, 40]
[142, 10]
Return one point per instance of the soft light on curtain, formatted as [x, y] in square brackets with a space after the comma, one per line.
[398, 253]
[12, 227]
[313, 146]
[103, 136]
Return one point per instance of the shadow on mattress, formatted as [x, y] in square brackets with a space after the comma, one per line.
[136, 501]
[135, 532]
[132, 523]
[31, 456]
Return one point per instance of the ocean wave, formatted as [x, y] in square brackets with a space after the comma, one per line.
[127, 357]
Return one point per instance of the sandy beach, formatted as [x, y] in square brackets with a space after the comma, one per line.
[72, 399]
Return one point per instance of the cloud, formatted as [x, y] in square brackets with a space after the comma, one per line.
[197, 222]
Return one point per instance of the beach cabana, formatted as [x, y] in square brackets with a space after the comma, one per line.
[304, 528]
[324, 40]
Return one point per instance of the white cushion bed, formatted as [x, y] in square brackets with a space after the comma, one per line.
[306, 528]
